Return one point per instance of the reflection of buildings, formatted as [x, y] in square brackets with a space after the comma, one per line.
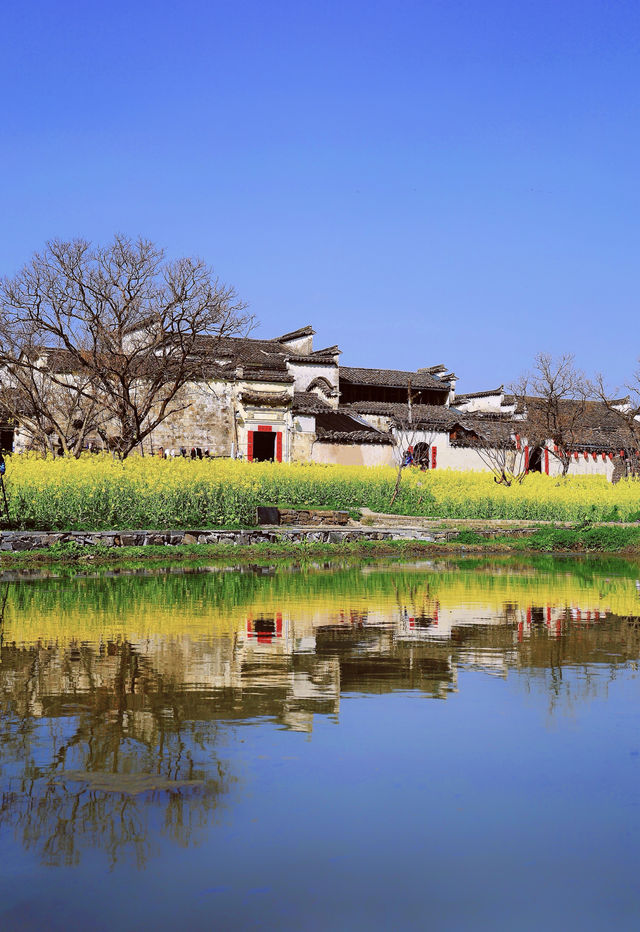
[287, 645]
[296, 662]
[364, 651]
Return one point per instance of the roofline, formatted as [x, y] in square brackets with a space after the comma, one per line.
[586, 401]
[487, 394]
[439, 385]
[328, 351]
[307, 331]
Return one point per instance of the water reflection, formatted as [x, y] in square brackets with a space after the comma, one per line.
[117, 694]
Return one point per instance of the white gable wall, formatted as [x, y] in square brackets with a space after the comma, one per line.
[304, 373]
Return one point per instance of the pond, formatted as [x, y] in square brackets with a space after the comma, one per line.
[443, 745]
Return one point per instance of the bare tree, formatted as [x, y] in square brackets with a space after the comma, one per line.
[412, 439]
[626, 415]
[505, 458]
[119, 329]
[57, 412]
[496, 442]
[554, 396]
[83, 789]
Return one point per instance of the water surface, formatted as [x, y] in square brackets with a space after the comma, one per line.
[428, 745]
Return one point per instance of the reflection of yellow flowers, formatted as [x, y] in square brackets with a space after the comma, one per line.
[206, 605]
[101, 492]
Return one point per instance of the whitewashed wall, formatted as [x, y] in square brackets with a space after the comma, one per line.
[302, 345]
[304, 374]
[488, 403]
[582, 466]
[352, 454]
[302, 439]
[461, 458]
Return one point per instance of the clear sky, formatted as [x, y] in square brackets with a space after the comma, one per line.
[449, 181]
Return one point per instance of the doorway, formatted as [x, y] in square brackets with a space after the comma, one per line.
[264, 446]
[421, 455]
[6, 440]
[535, 460]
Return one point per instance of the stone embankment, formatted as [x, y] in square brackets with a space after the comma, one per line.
[14, 541]
[17, 541]
[289, 526]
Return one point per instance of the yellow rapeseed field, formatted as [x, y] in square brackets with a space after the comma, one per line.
[99, 492]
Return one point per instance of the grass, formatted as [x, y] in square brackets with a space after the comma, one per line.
[582, 539]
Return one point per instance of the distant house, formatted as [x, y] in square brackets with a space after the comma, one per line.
[599, 442]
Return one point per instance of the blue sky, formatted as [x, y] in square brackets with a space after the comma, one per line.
[446, 181]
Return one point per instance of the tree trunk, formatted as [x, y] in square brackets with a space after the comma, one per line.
[397, 488]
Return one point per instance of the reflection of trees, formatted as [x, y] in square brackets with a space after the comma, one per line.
[96, 747]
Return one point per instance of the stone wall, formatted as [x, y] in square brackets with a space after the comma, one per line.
[18, 541]
[207, 422]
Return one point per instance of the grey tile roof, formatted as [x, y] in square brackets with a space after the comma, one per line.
[313, 359]
[353, 436]
[249, 374]
[272, 399]
[422, 415]
[337, 425]
[601, 441]
[309, 403]
[590, 414]
[263, 354]
[391, 378]
[496, 432]
[328, 351]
